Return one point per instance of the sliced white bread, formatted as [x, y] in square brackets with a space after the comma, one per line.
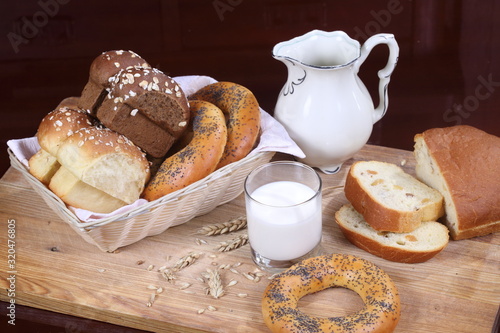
[389, 198]
[417, 246]
[462, 163]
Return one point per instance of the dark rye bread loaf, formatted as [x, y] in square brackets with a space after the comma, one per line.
[102, 70]
[146, 106]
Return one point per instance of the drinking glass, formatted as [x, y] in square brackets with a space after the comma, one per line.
[284, 214]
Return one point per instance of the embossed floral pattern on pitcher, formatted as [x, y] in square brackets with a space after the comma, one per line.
[324, 106]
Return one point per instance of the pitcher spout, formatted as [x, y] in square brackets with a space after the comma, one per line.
[319, 49]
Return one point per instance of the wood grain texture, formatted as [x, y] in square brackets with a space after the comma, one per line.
[456, 291]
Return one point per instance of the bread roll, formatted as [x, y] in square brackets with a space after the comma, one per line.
[146, 106]
[54, 128]
[390, 199]
[58, 125]
[462, 163]
[416, 246]
[102, 69]
[104, 160]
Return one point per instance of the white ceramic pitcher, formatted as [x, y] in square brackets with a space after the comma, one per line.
[324, 106]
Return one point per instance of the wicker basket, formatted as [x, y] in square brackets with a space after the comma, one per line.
[156, 216]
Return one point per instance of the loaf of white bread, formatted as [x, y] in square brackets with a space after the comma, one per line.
[419, 245]
[462, 162]
[391, 214]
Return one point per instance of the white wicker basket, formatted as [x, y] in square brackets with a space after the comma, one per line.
[156, 216]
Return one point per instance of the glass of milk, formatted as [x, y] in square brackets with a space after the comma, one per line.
[284, 214]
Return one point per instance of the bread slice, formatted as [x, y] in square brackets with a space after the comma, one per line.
[462, 163]
[389, 198]
[420, 245]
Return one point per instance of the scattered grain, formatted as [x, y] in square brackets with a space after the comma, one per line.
[184, 285]
[186, 261]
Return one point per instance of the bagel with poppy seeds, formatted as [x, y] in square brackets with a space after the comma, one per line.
[241, 108]
[379, 293]
[198, 158]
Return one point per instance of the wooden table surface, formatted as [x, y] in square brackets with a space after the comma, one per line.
[55, 269]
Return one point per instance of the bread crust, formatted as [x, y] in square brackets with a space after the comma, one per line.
[386, 252]
[58, 125]
[382, 304]
[198, 159]
[242, 109]
[467, 161]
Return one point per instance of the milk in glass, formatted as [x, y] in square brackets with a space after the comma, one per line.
[284, 220]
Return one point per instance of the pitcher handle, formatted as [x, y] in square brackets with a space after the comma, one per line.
[383, 74]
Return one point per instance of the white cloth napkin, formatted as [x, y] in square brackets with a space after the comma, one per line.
[274, 137]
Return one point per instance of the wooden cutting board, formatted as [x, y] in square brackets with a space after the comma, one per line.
[55, 269]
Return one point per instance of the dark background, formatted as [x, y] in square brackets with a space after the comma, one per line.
[449, 50]
[448, 71]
